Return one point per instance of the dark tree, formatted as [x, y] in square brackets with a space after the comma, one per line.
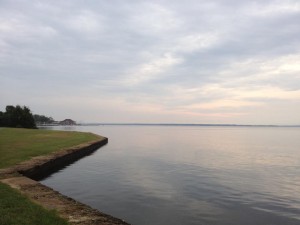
[17, 117]
[1, 119]
[41, 119]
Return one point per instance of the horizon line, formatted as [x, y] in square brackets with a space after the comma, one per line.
[188, 124]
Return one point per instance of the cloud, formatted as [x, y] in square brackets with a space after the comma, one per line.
[154, 19]
[271, 9]
[85, 23]
[152, 69]
[218, 61]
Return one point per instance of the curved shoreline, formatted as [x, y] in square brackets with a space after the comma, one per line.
[24, 177]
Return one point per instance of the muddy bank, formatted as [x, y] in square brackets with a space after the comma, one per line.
[24, 177]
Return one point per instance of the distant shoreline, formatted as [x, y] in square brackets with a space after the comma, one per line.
[172, 124]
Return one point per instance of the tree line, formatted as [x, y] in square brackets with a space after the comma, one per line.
[21, 117]
[17, 116]
[41, 119]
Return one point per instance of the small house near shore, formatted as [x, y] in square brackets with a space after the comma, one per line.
[67, 122]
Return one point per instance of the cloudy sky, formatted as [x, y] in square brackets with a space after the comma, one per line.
[219, 61]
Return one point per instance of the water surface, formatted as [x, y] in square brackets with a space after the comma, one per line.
[186, 175]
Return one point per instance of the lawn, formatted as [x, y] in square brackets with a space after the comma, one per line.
[15, 209]
[17, 145]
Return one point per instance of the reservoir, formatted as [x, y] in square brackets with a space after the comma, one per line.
[189, 175]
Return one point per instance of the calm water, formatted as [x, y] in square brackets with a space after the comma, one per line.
[184, 175]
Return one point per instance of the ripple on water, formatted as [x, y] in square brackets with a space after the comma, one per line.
[190, 175]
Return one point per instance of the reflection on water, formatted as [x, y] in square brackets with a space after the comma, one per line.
[190, 175]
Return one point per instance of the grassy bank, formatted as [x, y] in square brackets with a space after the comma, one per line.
[16, 209]
[17, 145]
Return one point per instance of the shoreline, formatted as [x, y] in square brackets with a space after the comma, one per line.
[24, 177]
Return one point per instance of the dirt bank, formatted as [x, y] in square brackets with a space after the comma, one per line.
[24, 177]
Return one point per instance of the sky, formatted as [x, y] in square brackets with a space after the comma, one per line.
[167, 61]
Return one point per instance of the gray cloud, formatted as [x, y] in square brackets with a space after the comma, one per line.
[180, 60]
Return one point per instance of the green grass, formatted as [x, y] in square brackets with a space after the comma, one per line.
[17, 145]
[15, 209]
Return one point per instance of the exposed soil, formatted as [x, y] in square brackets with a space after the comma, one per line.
[74, 212]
